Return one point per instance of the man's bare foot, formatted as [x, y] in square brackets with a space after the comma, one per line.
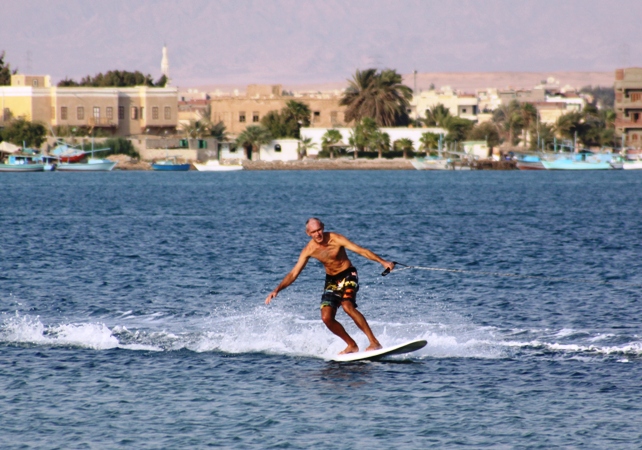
[375, 346]
[350, 349]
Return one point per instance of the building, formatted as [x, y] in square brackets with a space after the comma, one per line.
[237, 112]
[461, 105]
[127, 111]
[628, 105]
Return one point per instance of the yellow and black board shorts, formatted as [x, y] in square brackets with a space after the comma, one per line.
[340, 287]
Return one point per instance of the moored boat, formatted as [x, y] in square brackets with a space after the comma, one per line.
[22, 163]
[92, 165]
[168, 165]
[215, 166]
[431, 163]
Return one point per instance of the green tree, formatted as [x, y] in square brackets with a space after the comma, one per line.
[115, 78]
[120, 146]
[5, 71]
[437, 116]
[378, 95]
[362, 133]
[380, 141]
[429, 141]
[510, 120]
[405, 145]
[486, 131]
[458, 128]
[198, 129]
[288, 122]
[329, 139]
[21, 131]
[253, 137]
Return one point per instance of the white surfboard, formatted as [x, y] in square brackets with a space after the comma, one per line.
[373, 355]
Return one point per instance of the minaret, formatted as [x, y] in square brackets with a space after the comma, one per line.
[165, 64]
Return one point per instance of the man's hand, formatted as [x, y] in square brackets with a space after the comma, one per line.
[388, 265]
[271, 296]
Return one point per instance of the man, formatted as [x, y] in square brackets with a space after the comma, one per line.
[341, 280]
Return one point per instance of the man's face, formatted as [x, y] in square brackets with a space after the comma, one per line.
[314, 229]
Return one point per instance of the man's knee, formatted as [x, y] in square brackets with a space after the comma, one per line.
[328, 314]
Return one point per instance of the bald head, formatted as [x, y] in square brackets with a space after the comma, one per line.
[313, 223]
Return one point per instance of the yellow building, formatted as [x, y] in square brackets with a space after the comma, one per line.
[120, 111]
[237, 112]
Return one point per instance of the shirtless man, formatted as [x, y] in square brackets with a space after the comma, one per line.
[341, 280]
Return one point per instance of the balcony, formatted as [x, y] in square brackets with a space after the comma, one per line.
[101, 122]
[628, 123]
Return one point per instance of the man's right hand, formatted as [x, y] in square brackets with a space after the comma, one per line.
[270, 297]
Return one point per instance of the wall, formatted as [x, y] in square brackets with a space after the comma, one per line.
[289, 150]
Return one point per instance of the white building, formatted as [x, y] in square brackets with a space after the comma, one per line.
[461, 105]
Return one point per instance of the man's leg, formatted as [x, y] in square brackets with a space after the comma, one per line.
[362, 323]
[328, 314]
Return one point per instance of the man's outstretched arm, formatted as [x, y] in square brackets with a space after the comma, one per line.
[290, 277]
[348, 244]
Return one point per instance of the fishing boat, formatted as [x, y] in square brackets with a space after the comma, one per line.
[67, 153]
[530, 162]
[431, 163]
[92, 165]
[632, 165]
[581, 161]
[22, 163]
[170, 165]
[215, 166]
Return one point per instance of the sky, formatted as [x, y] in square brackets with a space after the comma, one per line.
[307, 41]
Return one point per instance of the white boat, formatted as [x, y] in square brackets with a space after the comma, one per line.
[22, 163]
[214, 166]
[431, 164]
[632, 165]
[92, 165]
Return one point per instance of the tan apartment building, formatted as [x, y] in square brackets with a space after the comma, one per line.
[628, 105]
[237, 112]
[459, 104]
[120, 111]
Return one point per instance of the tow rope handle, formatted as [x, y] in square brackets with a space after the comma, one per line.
[387, 271]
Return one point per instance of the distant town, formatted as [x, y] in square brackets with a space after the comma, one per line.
[376, 116]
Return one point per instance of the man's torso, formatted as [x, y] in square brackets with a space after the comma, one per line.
[332, 255]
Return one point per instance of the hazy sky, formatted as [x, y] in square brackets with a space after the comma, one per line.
[300, 41]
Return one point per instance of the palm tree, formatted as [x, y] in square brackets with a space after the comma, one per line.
[362, 133]
[437, 116]
[254, 136]
[380, 141]
[328, 140]
[379, 95]
[197, 129]
[305, 144]
[404, 144]
[429, 141]
[510, 119]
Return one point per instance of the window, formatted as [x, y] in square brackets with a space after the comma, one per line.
[316, 116]
[80, 113]
[155, 112]
[242, 116]
[35, 83]
[121, 113]
[333, 117]
[109, 112]
[277, 148]
[636, 96]
[168, 113]
[97, 112]
[464, 110]
[63, 113]
[255, 116]
[134, 115]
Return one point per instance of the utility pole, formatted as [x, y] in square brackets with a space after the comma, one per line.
[414, 93]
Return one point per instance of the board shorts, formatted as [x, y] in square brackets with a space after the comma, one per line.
[340, 287]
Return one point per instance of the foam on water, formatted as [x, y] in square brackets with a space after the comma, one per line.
[277, 332]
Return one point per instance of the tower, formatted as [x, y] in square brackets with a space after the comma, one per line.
[165, 64]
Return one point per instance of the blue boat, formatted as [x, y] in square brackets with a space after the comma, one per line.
[167, 165]
[581, 161]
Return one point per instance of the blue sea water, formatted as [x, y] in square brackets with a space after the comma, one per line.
[132, 315]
